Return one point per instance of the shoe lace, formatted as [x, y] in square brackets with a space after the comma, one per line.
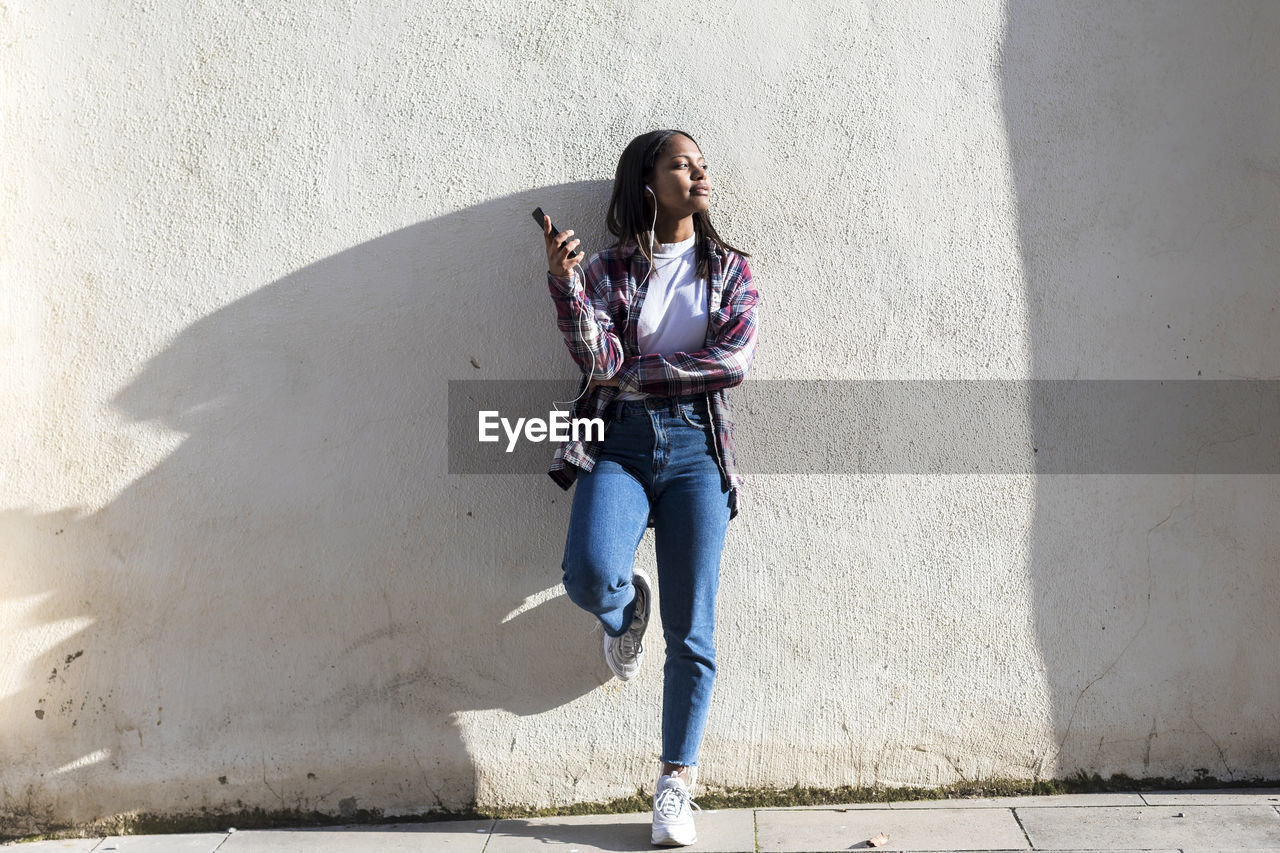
[672, 800]
[629, 646]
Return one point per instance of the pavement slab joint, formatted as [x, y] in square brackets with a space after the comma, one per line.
[1213, 821]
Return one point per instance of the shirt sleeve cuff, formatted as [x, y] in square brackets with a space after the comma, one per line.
[566, 285]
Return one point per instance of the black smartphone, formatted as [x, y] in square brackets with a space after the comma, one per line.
[538, 217]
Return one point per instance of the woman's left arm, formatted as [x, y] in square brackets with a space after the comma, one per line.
[723, 364]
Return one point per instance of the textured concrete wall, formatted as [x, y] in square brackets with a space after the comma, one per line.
[245, 249]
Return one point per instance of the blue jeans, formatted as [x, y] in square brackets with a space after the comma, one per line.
[658, 457]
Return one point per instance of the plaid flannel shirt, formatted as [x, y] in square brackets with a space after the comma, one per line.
[598, 310]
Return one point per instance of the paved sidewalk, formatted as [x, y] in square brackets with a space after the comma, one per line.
[1246, 819]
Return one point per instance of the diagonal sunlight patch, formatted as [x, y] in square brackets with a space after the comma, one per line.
[533, 601]
[95, 757]
[31, 642]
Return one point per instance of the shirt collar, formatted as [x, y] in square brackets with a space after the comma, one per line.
[631, 246]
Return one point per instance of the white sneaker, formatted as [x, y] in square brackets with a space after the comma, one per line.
[624, 654]
[672, 811]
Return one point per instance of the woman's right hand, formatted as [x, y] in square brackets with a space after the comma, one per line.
[558, 260]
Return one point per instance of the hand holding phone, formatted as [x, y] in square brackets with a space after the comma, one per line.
[561, 255]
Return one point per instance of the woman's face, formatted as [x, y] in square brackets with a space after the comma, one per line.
[680, 179]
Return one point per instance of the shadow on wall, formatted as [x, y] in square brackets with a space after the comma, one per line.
[1142, 138]
[288, 610]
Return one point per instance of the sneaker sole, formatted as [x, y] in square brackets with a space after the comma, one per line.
[669, 840]
[648, 604]
[621, 676]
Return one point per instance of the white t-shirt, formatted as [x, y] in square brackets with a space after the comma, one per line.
[673, 317]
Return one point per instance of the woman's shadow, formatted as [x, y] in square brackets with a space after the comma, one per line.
[297, 602]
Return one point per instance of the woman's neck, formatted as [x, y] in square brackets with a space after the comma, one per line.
[673, 230]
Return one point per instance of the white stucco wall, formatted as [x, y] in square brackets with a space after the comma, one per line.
[246, 248]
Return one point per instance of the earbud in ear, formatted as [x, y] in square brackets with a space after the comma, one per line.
[649, 191]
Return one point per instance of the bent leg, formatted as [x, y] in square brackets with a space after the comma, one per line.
[606, 524]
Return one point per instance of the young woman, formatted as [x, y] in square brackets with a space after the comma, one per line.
[661, 324]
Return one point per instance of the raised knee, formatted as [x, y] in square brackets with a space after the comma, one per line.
[590, 585]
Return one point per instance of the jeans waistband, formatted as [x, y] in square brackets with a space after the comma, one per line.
[650, 404]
